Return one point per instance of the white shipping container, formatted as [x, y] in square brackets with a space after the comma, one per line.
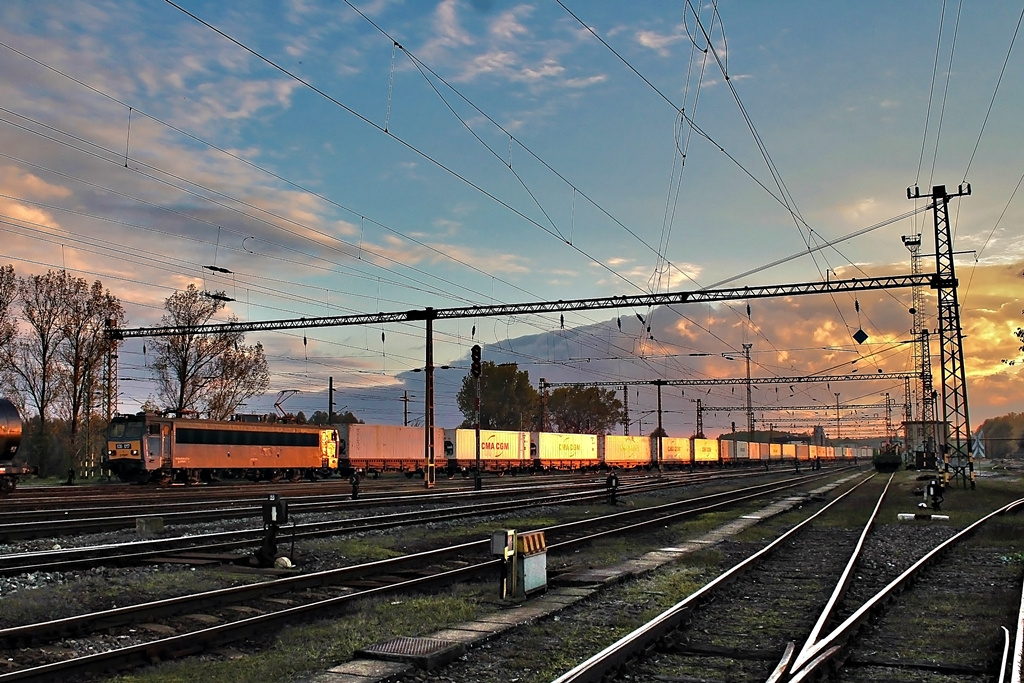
[388, 444]
[566, 447]
[495, 445]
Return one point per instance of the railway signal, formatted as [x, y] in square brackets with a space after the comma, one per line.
[474, 354]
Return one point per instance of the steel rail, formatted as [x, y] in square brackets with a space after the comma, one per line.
[842, 584]
[618, 653]
[50, 560]
[72, 558]
[102, 520]
[1004, 660]
[253, 508]
[1018, 647]
[834, 643]
[199, 640]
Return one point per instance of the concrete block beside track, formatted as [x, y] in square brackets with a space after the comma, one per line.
[149, 527]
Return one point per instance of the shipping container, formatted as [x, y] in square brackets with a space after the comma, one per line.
[757, 451]
[388, 448]
[675, 450]
[742, 450]
[500, 450]
[705, 450]
[726, 449]
[624, 451]
[566, 451]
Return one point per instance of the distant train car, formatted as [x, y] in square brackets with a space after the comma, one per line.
[705, 450]
[500, 450]
[757, 451]
[789, 451]
[10, 440]
[741, 451]
[732, 452]
[372, 449]
[624, 451]
[803, 451]
[149, 447]
[676, 451]
[565, 451]
[727, 450]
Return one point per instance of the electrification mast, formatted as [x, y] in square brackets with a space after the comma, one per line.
[957, 456]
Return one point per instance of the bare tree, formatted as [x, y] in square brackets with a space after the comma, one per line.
[205, 372]
[241, 373]
[35, 352]
[83, 346]
[8, 331]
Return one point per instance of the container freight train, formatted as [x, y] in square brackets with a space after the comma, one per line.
[372, 449]
[10, 439]
[149, 447]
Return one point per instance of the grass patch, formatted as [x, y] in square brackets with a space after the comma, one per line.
[357, 549]
[94, 592]
[303, 649]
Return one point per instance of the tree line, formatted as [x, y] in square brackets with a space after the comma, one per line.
[508, 401]
[53, 363]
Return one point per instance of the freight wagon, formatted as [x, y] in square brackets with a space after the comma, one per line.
[373, 449]
[10, 440]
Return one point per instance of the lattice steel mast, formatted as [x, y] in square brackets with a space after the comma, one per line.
[956, 455]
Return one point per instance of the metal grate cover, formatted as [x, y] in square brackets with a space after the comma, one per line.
[414, 647]
[424, 653]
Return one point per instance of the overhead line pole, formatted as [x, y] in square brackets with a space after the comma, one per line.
[957, 455]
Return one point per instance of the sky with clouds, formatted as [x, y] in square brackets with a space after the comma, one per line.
[356, 157]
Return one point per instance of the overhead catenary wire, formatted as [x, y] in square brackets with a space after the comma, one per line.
[662, 250]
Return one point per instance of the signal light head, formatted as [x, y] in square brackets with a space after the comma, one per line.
[474, 355]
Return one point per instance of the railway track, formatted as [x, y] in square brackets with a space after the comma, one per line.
[797, 611]
[120, 516]
[236, 613]
[208, 545]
